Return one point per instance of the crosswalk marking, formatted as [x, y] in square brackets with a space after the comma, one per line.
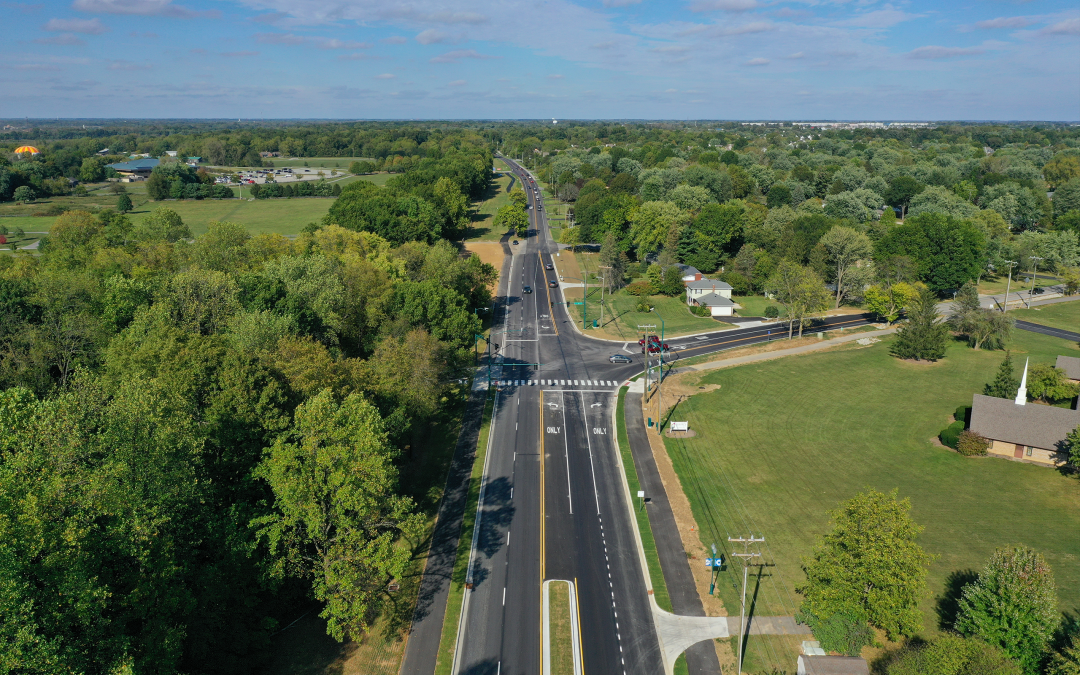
[552, 383]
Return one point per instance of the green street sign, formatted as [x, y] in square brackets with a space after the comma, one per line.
[579, 303]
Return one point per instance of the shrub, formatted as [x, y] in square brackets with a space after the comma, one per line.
[971, 444]
[640, 288]
[845, 632]
[700, 310]
[950, 435]
[644, 306]
[772, 312]
[961, 414]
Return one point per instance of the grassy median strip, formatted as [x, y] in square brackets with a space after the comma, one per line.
[448, 641]
[562, 648]
[648, 543]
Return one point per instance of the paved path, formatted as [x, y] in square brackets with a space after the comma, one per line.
[766, 356]
[422, 647]
[672, 628]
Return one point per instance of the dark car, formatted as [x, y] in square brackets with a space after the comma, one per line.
[620, 358]
[549, 266]
[553, 284]
[526, 289]
[515, 242]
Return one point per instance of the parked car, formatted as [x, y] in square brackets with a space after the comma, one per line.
[515, 242]
[620, 358]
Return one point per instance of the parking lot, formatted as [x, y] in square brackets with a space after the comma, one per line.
[285, 175]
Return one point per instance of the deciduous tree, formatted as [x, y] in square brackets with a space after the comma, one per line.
[846, 247]
[800, 290]
[870, 564]
[1013, 605]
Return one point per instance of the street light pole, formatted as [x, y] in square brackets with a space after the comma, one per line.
[660, 380]
[1031, 294]
[1008, 285]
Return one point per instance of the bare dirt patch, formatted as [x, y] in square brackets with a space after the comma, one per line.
[490, 252]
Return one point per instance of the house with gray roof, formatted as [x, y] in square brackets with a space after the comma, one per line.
[1026, 432]
[136, 169]
[1070, 365]
[711, 293]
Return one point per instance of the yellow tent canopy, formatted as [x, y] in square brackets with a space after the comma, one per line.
[27, 148]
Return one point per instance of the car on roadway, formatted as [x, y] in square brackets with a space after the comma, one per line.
[515, 242]
[548, 266]
[526, 289]
[620, 358]
[553, 284]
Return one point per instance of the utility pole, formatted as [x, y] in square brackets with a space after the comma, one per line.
[746, 556]
[1031, 294]
[647, 328]
[1008, 285]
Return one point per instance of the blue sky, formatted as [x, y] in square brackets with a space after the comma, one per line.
[696, 59]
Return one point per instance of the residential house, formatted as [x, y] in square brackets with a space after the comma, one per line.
[1071, 366]
[689, 273]
[1026, 432]
[711, 293]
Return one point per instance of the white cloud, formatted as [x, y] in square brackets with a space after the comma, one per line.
[385, 76]
[432, 37]
[120, 64]
[757, 62]
[456, 83]
[280, 39]
[356, 56]
[796, 55]
[1066, 27]
[328, 43]
[85, 26]
[394, 40]
[555, 76]
[458, 54]
[1004, 22]
[723, 5]
[881, 18]
[238, 55]
[140, 7]
[937, 52]
[63, 39]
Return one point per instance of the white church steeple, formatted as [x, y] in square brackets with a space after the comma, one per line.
[1021, 393]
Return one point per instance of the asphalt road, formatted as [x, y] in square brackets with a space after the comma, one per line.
[1047, 330]
[553, 504]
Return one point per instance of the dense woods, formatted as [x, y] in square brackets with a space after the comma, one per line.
[198, 435]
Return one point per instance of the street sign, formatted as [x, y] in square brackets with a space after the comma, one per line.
[579, 303]
[640, 494]
[679, 426]
[708, 562]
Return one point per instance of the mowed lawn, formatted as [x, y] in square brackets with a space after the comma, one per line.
[1063, 315]
[482, 213]
[782, 443]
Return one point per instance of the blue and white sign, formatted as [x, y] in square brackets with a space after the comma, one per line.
[708, 562]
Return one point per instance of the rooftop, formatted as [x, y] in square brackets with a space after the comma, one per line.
[707, 284]
[832, 665]
[1071, 366]
[1040, 426]
[714, 300]
[136, 165]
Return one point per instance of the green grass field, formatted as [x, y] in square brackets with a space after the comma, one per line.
[1063, 315]
[784, 442]
[480, 217]
[1021, 281]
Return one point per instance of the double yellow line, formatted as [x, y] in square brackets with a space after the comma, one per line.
[543, 537]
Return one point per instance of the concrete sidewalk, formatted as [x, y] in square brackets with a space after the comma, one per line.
[767, 356]
[672, 628]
